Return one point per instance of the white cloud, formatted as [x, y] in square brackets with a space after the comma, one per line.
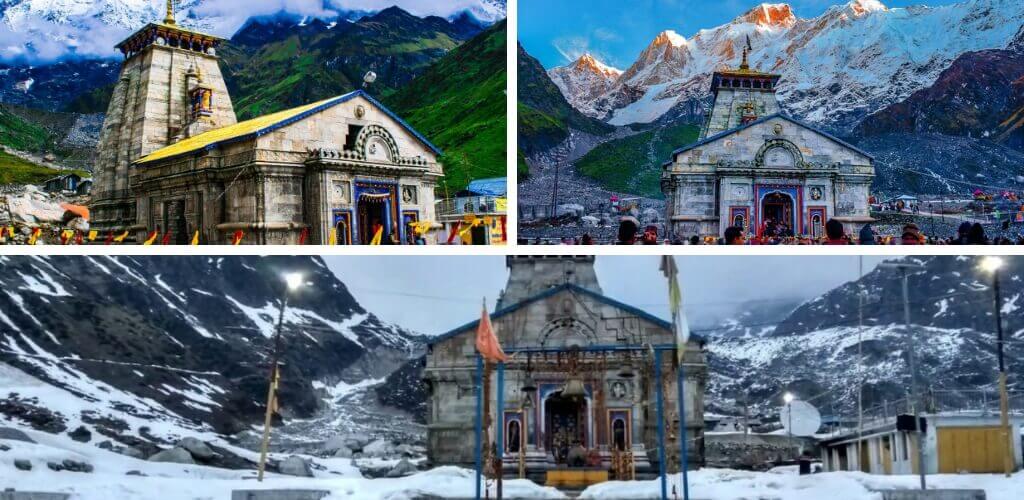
[39, 32]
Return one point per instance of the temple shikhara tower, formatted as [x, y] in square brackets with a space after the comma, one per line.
[173, 158]
[589, 379]
[754, 167]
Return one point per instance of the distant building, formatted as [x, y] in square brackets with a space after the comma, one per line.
[64, 183]
[567, 334]
[953, 444]
[754, 167]
[476, 215]
[84, 187]
[172, 157]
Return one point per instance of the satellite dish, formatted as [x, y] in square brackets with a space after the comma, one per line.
[369, 78]
[805, 419]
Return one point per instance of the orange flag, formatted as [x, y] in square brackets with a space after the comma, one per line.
[237, 238]
[486, 341]
[151, 238]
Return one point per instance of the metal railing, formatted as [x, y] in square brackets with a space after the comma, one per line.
[967, 402]
[479, 205]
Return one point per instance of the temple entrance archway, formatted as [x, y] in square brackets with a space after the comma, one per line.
[566, 422]
[779, 208]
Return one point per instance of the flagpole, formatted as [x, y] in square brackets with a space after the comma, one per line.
[479, 421]
[661, 425]
[500, 429]
[683, 436]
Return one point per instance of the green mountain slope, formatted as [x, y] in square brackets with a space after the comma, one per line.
[633, 164]
[274, 65]
[545, 117]
[459, 104]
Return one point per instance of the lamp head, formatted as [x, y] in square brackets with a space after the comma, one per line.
[991, 263]
[788, 397]
[294, 281]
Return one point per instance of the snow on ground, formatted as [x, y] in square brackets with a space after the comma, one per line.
[727, 484]
[109, 480]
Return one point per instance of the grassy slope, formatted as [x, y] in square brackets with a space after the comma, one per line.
[459, 104]
[15, 170]
[624, 165]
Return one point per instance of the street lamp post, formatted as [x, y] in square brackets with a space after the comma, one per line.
[294, 281]
[992, 265]
[788, 398]
[903, 268]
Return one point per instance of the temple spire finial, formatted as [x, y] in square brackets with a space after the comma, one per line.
[746, 50]
[170, 12]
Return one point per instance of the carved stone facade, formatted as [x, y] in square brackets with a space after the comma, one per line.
[563, 314]
[326, 170]
[151, 108]
[173, 159]
[750, 167]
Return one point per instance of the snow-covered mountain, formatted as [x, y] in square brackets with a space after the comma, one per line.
[851, 60]
[584, 81]
[148, 348]
[46, 30]
[813, 351]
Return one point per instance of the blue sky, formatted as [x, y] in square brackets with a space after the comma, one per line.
[557, 31]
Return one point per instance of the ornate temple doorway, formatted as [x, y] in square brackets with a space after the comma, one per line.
[373, 214]
[565, 424]
[778, 208]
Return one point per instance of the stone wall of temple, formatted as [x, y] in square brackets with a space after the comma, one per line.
[566, 318]
[149, 109]
[532, 274]
[726, 112]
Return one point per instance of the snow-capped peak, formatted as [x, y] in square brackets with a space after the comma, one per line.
[770, 14]
[669, 37]
[861, 7]
[588, 62]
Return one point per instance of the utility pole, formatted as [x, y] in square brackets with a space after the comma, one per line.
[860, 362]
[992, 265]
[915, 397]
[294, 281]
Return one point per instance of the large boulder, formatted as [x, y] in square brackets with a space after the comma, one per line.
[378, 448]
[81, 434]
[569, 209]
[174, 456]
[198, 449]
[22, 464]
[14, 435]
[404, 468]
[295, 466]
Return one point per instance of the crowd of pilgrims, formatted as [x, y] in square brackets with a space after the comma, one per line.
[781, 234]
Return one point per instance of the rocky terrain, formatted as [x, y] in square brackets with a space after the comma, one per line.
[179, 349]
[812, 350]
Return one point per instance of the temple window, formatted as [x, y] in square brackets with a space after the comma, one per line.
[350, 139]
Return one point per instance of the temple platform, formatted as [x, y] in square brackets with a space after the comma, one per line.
[576, 478]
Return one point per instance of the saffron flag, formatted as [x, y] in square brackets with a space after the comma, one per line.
[237, 238]
[78, 237]
[10, 231]
[333, 238]
[195, 238]
[454, 232]
[66, 235]
[151, 238]
[166, 240]
[35, 235]
[377, 236]
[120, 238]
[93, 234]
[303, 236]
[486, 341]
[110, 238]
[680, 328]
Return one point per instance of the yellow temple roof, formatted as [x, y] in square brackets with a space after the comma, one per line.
[265, 124]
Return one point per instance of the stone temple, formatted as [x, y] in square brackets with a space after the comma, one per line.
[583, 373]
[754, 166]
[172, 157]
